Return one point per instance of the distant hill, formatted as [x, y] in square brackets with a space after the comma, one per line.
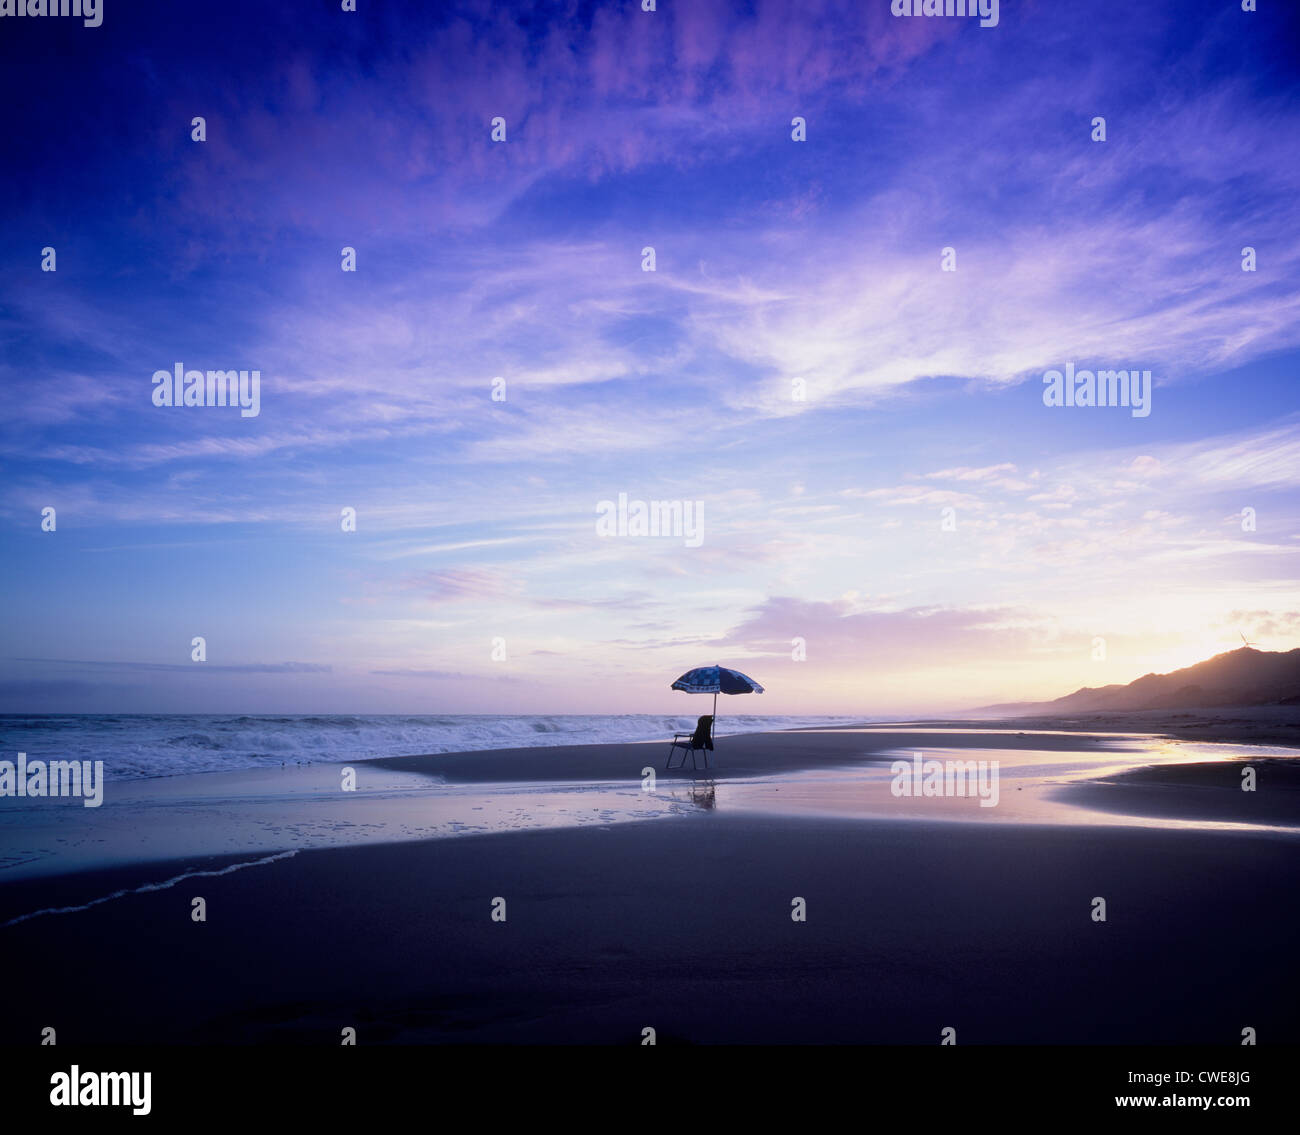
[1239, 677]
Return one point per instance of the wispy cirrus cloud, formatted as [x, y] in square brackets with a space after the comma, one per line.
[775, 261]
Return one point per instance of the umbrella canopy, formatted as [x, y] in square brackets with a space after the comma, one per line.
[716, 680]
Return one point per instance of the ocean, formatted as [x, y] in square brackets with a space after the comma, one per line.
[134, 746]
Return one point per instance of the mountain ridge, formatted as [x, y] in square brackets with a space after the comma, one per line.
[1244, 676]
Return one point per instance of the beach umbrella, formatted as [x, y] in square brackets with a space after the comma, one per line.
[716, 680]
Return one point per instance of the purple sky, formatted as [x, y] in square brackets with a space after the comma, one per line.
[799, 368]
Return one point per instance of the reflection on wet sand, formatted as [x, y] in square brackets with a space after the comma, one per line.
[1141, 782]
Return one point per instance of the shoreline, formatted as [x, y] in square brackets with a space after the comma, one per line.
[1051, 777]
[675, 909]
[1272, 725]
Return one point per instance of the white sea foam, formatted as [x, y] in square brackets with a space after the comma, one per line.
[147, 745]
[166, 884]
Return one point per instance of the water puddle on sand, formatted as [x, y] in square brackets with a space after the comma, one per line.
[259, 811]
[1032, 786]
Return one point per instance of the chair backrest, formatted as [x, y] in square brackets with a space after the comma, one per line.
[703, 738]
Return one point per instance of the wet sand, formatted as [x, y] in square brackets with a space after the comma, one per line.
[1242, 725]
[939, 914]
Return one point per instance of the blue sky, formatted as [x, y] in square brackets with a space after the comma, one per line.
[776, 261]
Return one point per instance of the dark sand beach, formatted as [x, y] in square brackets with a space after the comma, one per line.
[921, 915]
[1246, 725]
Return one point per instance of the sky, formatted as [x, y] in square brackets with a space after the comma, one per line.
[890, 518]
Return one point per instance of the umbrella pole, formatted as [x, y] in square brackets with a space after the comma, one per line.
[713, 727]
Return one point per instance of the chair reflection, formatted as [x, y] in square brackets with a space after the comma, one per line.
[704, 793]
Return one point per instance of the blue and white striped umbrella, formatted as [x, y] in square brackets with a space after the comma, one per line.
[716, 680]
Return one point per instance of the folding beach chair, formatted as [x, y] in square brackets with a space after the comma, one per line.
[700, 741]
